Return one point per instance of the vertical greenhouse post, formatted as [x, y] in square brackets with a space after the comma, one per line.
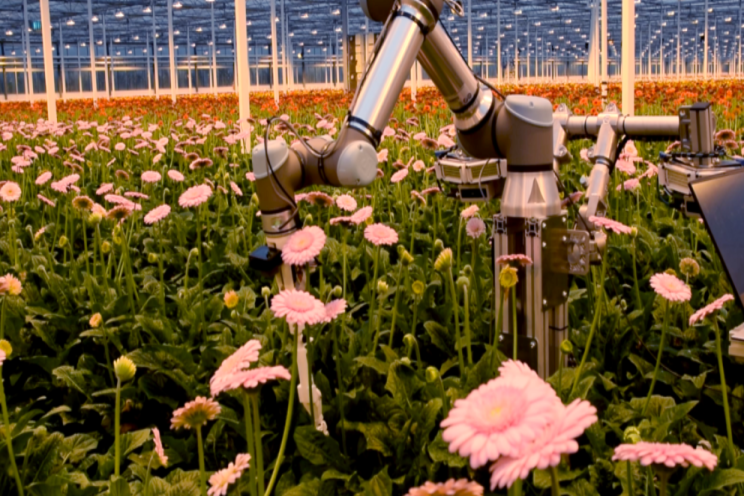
[29, 65]
[155, 69]
[679, 39]
[470, 33]
[92, 52]
[149, 68]
[105, 57]
[172, 53]
[705, 43]
[274, 68]
[604, 66]
[498, 41]
[244, 77]
[46, 40]
[628, 62]
[214, 53]
[61, 64]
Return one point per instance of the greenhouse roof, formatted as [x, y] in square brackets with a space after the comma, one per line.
[559, 26]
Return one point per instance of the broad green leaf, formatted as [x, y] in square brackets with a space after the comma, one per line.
[439, 335]
[439, 452]
[306, 488]
[77, 446]
[720, 479]
[74, 379]
[379, 485]
[119, 487]
[317, 448]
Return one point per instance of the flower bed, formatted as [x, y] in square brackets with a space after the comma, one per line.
[141, 354]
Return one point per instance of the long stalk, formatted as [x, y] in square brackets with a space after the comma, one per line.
[202, 470]
[117, 430]
[373, 290]
[515, 331]
[636, 290]
[724, 391]
[258, 443]
[499, 318]
[395, 304]
[556, 487]
[339, 378]
[248, 419]
[8, 438]
[456, 311]
[631, 491]
[664, 329]
[288, 420]
[466, 307]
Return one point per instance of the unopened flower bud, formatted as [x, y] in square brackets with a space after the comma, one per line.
[444, 260]
[689, 267]
[409, 340]
[62, 241]
[406, 258]
[152, 257]
[671, 272]
[94, 219]
[508, 277]
[106, 247]
[467, 270]
[418, 288]
[432, 374]
[632, 435]
[463, 282]
[634, 232]
[231, 299]
[308, 219]
[124, 368]
[6, 347]
[254, 199]
[566, 347]
[95, 320]
[438, 245]
[337, 291]
[382, 287]
[265, 291]
[194, 252]
[118, 239]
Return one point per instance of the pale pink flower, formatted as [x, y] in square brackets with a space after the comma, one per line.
[3, 356]
[669, 455]
[382, 156]
[242, 461]
[500, 418]
[46, 200]
[361, 215]
[431, 191]
[104, 188]
[652, 171]
[625, 166]
[250, 176]
[43, 178]
[159, 447]
[710, 309]
[236, 189]
[340, 220]
[239, 361]
[380, 234]
[475, 228]
[136, 194]
[610, 225]
[584, 154]
[319, 199]
[522, 260]
[200, 163]
[469, 212]
[333, 309]
[559, 438]
[120, 147]
[572, 199]
[175, 175]
[221, 480]
[629, 185]
[195, 413]
[157, 214]
[445, 141]
[253, 378]
[151, 176]
[388, 132]
[195, 196]
[298, 307]
[10, 192]
[420, 136]
[346, 203]
[418, 197]
[460, 487]
[671, 288]
[399, 176]
[418, 166]
[157, 158]
[303, 246]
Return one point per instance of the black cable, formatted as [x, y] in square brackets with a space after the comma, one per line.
[573, 204]
[490, 86]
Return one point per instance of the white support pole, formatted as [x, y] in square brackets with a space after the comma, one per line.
[705, 43]
[244, 77]
[274, 65]
[214, 54]
[498, 41]
[80, 70]
[92, 51]
[105, 57]
[604, 65]
[628, 61]
[62, 77]
[338, 61]
[172, 54]
[739, 65]
[516, 48]
[155, 69]
[111, 65]
[528, 48]
[290, 60]
[470, 33]
[149, 66]
[345, 46]
[285, 57]
[679, 39]
[46, 40]
[29, 65]
[188, 56]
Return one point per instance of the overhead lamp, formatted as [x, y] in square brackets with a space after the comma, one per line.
[338, 30]
[314, 32]
[67, 47]
[569, 21]
[304, 16]
[146, 10]
[177, 5]
[135, 38]
[556, 8]
[199, 29]
[248, 23]
[291, 35]
[728, 19]
[94, 19]
[117, 40]
[176, 32]
[9, 33]
[229, 42]
[82, 44]
[336, 12]
[481, 28]
[223, 26]
[538, 24]
[518, 12]
[70, 22]
[99, 42]
[119, 14]
[130, 52]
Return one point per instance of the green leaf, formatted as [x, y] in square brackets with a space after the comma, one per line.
[722, 478]
[318, 448]
[439, 452]
[307, 488]
[402, 383]
[119, 487]
[44, 457]
[656, 406]
[376, 434]
[581, 487]
[77, 446]
[439, 336]
[678, 412]
[378, 365]
[543, 480]
[379, 485]
[131, 441]
[74, 379]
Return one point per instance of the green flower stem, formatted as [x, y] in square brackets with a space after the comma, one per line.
[466, 306]
[595, 324]
[395, 304]
[500, 318]
[2, 318]
[343, 256]
[663, 482]
[516, 489]
[664, 329]
[636, 290]
[202, 470]
[201, 268]
[257, 439]
[631, 491]
[310, 379]
[339, 378]
[85, 246]
[515, 336]
[106, 352]
[456, 311]
[147, 475]
[556, 487]
[724, 392]
[287, 421]
[8, 438]
[117, 429]
[160, 270]
[104, 271]
[373, 290]
[561, 359]
[459, 242]
[248, 419]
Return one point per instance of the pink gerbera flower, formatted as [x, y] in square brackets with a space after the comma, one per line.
[298, 307]
[104, 188]
[469, 212]
[157, 214]
[629, 185]
[195, 196]
[610, 225]
[380, 234]
[3, 356]
[382, 156]
[671, 288]
[175, 175]
[46, 200]
[361, 215]
[151, 176]
[120, 147]
[545, 451]
[399, 176]
[159, 447]
[319, 198]
[43, 178]
[710, 309]
[668, 455]
[303, 246]
[195, 413]
[572, 198]
[250, 176]
[431, 191]
[239, 361]
[236, 189]
[253, 378]
[221, 480]
[333, 309]
[625, 166]
[346, 203]
[475, 228]
[500, 418]
[10, 192]
[522, 260]
[418, 197]
[460, 487]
